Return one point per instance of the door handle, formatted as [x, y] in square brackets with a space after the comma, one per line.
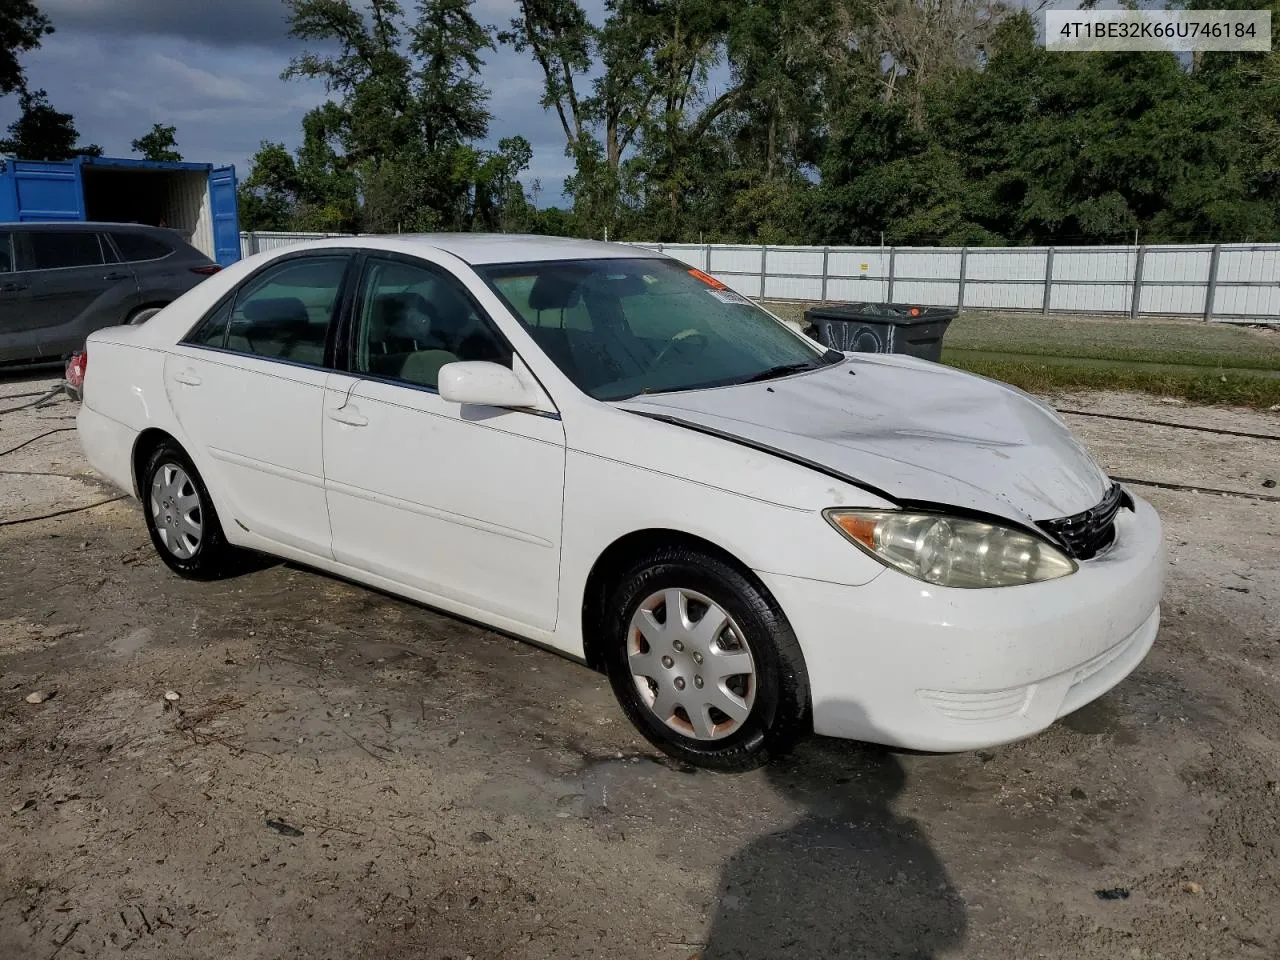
[12, 287]
[187, 377]
[116, 276]
[349, 416]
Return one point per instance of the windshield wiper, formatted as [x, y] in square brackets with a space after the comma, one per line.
[781, 370]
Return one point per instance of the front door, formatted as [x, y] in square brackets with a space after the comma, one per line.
[247, 387]
[17, 339]
[459, 501]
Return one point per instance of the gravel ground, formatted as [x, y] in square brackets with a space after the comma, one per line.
[349, 775]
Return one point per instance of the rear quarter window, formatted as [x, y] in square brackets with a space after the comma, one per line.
[136, 247]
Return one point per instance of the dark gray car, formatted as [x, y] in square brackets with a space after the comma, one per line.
[61, 281]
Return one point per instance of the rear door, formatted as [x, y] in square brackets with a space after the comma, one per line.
[70, 286]
[165, 268]
[247, 385]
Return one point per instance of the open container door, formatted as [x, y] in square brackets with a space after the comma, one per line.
[36, 190]
[226, 215]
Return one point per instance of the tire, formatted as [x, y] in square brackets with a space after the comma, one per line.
[144, 314]
[181, 519]
[771, 706]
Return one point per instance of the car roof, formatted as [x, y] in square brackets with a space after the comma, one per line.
[91, 225]
[488, 248]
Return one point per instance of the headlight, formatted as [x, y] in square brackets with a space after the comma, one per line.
[950, 551]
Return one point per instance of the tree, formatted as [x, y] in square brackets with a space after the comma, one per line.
[561, 39]
[450, 98]
[655, 56]
[1092, 146]
[395, 148]
[160, 144]
[43, 133]
[22, 27]
[269, 194]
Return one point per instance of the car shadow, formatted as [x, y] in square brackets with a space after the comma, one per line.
[17, 374]
[852, 878]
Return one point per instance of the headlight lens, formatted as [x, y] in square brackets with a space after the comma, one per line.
[951, 551]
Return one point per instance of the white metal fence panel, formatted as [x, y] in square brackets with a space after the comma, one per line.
[801, 261]
[862, 287]
[1095, 297]
[1006, 264]
[1093, 264]
[866, 263]
[1247, 301]
[927, 275]
[1172, 298]
[261, 241]
[1249, 264]
[1000, 295]
[1183, 265]
[942, 263]
[1220, 281]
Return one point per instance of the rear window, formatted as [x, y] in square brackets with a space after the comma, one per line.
[137, 246]
[52, 250]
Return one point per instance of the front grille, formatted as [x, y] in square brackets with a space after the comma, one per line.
[1087, 534]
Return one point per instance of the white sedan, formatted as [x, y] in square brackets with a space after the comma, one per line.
[595, 448]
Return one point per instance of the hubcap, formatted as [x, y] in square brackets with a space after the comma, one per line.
[175, 508]
[691, 665]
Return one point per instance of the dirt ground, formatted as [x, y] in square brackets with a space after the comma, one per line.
[349, 775]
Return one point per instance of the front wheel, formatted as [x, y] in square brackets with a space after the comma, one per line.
[704, 663]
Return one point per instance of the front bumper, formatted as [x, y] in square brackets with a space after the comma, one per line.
[905, 663]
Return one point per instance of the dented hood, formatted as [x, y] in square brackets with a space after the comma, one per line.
[914, 430]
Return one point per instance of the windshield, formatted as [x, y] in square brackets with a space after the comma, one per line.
[618, 328]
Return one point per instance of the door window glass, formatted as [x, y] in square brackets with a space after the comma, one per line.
[284, 312]
[412, 319]
[212, 330]
[55, 250]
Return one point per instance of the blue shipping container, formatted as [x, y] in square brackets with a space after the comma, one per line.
[196, 199]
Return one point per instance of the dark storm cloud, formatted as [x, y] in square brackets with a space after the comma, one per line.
[212, 68]
[224, 23]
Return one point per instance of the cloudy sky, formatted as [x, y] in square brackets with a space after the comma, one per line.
[213, 70]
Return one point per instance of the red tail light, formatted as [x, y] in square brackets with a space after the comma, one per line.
[76, 367]
[208, 271]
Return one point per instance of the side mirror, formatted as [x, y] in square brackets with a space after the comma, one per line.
[484, 384]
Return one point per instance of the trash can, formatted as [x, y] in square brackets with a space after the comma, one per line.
[881, 328]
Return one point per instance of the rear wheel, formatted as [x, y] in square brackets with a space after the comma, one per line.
[180, 516]
[143, 315]
[704, 663]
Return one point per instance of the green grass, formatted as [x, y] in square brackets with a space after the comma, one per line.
[1229, 387]
[1145, 341]
[1199, 362]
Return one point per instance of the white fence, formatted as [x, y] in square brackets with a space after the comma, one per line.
[1213, 281]
[1229, 281]
[262, 240]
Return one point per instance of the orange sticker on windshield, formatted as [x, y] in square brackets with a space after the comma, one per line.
[708, 279]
